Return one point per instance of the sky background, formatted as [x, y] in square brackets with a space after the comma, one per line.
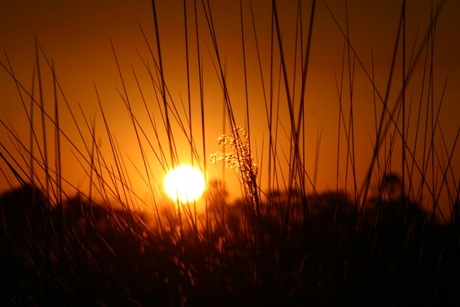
[78, 36]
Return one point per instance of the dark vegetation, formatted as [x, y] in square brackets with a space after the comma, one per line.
[287, 245]
[90, 254]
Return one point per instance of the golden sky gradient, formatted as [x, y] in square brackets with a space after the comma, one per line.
[77, 37]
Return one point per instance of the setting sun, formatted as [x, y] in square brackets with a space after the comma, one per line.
[184, 183]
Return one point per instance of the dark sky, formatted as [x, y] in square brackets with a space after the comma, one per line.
[76, 36]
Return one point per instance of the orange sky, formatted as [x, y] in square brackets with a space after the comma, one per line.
[76, 36]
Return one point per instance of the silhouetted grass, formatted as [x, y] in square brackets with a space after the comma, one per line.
[288, 244]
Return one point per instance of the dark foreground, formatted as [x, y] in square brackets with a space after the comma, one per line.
[317, 250]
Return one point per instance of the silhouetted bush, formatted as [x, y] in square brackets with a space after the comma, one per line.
[95, 253]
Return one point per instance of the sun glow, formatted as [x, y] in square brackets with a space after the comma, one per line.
[184, 183]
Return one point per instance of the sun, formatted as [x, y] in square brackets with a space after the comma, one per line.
[184, 183]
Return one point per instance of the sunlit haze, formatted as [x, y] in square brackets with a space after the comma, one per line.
[113, 120]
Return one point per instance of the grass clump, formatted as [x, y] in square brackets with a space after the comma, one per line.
[284, 241]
